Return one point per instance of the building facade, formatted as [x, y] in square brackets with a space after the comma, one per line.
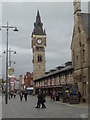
[80, 48]
[28, 79]
[56, 79]
[38, 48]
[21, 82]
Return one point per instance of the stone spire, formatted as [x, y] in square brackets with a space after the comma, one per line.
[38, 26]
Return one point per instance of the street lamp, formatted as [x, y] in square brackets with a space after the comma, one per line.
[7, 27]
[14, 52]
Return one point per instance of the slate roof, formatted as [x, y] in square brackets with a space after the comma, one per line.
[67, 68]
[86, 22]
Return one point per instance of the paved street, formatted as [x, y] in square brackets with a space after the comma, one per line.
[17, 109]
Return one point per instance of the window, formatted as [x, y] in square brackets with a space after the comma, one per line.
[83, 52]
[39, 48]
[39, 58]
[77, 57]
[73, 58]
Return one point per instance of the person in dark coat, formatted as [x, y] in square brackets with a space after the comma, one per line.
[79, 94]
[21, 96]
[41, 100]
[57, 96]
[11, 94]
[14, 94]
[25, 95]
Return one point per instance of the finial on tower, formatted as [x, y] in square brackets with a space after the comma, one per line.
[77, 6]
[44, 32]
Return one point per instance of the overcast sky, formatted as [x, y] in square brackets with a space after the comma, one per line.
[57, 19]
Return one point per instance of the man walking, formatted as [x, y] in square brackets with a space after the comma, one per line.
[25, 95]
[41, 100]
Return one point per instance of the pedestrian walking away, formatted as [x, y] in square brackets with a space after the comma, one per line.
[79, 96]
[21, 96]
[57, 96]
[25, 95]
[11, 94]
[14, 94]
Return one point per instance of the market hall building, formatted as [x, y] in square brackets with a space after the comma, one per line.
[56, 79]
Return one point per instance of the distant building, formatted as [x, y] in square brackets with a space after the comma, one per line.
[21, 82]
[17, 85]
[28, 79]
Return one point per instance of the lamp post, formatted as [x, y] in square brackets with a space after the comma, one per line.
[10, 66]
[7, 27]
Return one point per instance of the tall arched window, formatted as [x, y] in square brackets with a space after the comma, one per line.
[83, 53]
[39, 58]
[73, 58]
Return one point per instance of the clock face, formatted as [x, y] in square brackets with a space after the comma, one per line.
[39, 41]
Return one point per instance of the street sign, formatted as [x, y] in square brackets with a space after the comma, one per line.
[12, 81]
[11, 72]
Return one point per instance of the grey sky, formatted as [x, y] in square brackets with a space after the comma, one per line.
[57, 19]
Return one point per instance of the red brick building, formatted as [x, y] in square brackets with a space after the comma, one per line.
[28, 79]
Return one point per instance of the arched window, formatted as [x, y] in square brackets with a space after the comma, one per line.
[73, 58]
[83, 53]
[39, 58]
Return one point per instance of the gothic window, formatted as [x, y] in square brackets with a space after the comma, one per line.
[73, 58]
[39, 58]
[83, 53]
[77, 57]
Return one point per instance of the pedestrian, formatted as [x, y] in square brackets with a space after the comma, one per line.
[60, 95]
[11, 94]
[14, 94]
[53, 96]
[41, 100]
[21, 96]
[79, 95]
[25, 95]
[57, 96]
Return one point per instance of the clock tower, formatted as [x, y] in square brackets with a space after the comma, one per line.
[38, 48]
